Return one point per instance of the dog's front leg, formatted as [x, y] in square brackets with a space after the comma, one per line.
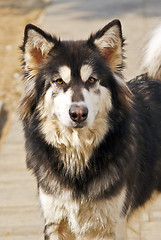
[51, 231]
[55, 216]
[59, 231]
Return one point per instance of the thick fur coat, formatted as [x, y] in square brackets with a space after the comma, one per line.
[93, 141]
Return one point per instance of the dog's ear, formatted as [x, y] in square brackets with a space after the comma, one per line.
[36, 46]
[110, 42]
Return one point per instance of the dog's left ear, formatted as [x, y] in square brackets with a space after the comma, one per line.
[110, 42]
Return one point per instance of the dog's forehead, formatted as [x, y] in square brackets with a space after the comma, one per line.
[73, 62]
[75, 54]
[85, 71]
[65, 73]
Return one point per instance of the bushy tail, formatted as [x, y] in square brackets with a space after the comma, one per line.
[152, 55]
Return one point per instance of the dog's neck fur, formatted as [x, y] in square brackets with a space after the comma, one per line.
[75, 145]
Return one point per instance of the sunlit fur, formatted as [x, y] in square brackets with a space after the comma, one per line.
[87, 220]
[152, 54]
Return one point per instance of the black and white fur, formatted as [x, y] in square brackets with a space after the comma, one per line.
[93, 142]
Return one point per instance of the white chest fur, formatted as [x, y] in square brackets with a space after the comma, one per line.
[94, 217]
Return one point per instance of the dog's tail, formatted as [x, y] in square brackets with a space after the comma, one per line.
[152, 55]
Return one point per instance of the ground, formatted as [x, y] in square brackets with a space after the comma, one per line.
[13, 19]
[12, 26]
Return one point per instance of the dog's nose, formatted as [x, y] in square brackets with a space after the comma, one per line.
[78, 113]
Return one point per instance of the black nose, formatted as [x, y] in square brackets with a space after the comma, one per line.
[78, 113]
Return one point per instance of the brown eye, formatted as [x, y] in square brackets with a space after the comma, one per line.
[92, 80]
[59, 81]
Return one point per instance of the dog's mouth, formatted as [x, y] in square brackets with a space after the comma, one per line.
[79, 125]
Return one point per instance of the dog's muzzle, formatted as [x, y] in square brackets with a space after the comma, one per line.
[78, 114]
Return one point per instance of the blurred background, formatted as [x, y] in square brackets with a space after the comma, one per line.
[14, 15]
[70, 19]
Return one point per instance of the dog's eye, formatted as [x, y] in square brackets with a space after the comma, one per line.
[59, 81]
[92, 80]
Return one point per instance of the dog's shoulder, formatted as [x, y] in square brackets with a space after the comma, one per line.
[143, 85]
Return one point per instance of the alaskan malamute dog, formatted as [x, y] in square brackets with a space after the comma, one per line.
[93, 141]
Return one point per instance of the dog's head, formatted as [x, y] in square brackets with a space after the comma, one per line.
[75, 82]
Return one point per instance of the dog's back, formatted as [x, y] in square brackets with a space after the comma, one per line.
[146, 89]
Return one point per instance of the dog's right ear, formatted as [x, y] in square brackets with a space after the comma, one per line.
[36, 46]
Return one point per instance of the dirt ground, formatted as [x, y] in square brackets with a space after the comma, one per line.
[13, 18]
[12, 25]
